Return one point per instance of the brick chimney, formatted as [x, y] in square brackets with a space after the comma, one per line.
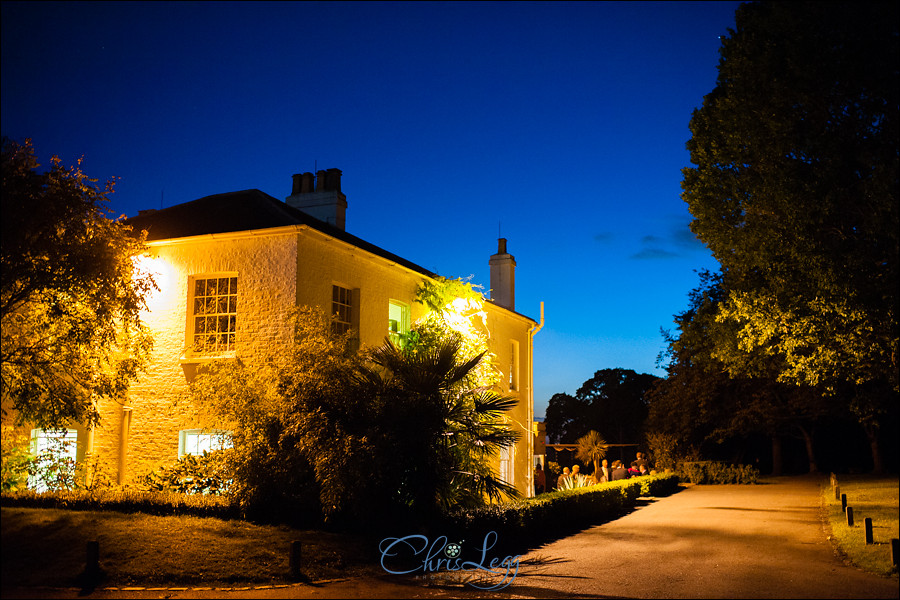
[503, 277]
[320, 196]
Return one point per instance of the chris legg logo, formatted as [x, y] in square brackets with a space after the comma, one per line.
[441, 555]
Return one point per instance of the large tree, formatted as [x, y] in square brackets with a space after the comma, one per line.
[700, 403]
[795, 192]
[612, 402]
[71, 294]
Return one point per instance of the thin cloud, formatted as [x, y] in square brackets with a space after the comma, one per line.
[676, 242]
[604, 237]
[654, 254]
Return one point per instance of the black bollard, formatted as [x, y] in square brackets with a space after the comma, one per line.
[837, 492]
[850, 516]
[296, 575]
[895, 551]
[92, 568]
[869, 538]
[844, 502]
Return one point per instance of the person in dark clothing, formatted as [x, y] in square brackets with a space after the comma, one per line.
[619, 471]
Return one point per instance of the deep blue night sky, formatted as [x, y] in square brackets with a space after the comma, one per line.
[559, 125]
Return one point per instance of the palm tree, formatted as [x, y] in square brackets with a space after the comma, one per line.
[592, 448]
[445, 429]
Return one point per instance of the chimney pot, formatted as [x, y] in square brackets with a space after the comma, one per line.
[320, 196]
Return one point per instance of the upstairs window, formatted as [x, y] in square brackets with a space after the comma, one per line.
[213, 314]
[513, 365]
[341, 309]
[398, 321]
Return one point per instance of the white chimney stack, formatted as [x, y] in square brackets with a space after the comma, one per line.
[320, 196]
[503, 277]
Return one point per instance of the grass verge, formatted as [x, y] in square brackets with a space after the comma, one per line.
[178, 550]
[873, 497]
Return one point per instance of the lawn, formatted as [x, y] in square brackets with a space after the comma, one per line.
[48, 547]
[869, 496]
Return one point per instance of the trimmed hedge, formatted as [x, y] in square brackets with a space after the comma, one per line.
[532, 521]
[154, 503]
[521, 523]
[713, 472]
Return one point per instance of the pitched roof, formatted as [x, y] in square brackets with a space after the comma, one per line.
[244, 211]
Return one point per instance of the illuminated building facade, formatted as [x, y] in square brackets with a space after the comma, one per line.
[230, 267]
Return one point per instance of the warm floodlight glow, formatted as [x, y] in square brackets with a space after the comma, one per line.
[163, 275]
[466, 316]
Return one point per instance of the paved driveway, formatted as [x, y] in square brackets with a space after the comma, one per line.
[763, 541]
[711, 541]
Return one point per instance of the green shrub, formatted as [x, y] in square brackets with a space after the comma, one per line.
[16, 459]
[714, 472]
[208, 473]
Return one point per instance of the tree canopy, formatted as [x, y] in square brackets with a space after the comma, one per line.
[71, 293]
[612, 403]
[794, 190]
[795, 187]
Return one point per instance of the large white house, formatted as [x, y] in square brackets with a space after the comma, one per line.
[230, 267]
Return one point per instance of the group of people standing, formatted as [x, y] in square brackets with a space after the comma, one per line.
[606, 472]
[617, 471]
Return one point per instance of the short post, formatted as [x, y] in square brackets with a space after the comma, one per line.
[869, 538]
[850, 516]
[895, 551]
[837, 492]
[844, 502]
[295, 560]
[92, 568]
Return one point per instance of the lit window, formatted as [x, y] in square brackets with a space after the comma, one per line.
[55, 452]
[513, 365]
[198, 441]
[341, 309]
[398, 320]
[214, 314]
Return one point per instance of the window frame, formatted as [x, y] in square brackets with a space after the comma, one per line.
[514, 366]
[231, 315]
[223, 435]
[340, 326]
[403, 323]
[68, 435]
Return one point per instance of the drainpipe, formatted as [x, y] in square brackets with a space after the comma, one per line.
[123, 442]
[89, 458]
[531, 333]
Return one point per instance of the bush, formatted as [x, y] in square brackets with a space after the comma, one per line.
[204, 474]
[16, 459]
[127, 501]
[713, 472]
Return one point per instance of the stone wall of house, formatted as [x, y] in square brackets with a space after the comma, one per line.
[510, 343]
[265, 266]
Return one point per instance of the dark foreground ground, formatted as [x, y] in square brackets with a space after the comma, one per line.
[763, 541]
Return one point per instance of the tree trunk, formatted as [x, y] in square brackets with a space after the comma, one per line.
[810, 451]
[872, 433]
[776, 456]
